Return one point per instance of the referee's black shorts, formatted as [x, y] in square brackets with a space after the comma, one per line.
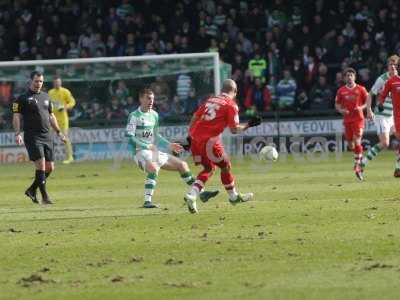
[39, 148]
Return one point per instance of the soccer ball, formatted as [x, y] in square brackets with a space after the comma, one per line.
[269, 153]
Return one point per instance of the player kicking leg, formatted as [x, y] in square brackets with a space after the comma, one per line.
[210, 155]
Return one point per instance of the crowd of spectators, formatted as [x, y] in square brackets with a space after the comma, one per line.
[284, 55]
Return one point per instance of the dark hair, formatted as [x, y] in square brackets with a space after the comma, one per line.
[349, 70]
[36, 73]
[145, 91]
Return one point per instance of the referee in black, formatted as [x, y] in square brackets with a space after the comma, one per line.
[35, 111]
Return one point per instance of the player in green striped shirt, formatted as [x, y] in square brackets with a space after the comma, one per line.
[383, 119]
[142, 131]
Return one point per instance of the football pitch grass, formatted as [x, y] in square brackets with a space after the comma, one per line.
[312, 232]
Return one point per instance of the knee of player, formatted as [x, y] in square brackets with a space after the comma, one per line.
[209, 169]
[385, 144]
[49, 168]
[226, 169]
[183, 166]
[151, 168]
[225, 166]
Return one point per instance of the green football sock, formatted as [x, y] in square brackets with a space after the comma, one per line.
[373, 152]
[187, 177]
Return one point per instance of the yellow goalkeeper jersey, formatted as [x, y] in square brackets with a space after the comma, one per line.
[62, 100]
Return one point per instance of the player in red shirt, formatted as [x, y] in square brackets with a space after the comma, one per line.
[205, 129]
[350, 102]
[392, 86]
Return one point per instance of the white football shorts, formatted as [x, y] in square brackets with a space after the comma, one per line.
[143, 156]
[384, 124]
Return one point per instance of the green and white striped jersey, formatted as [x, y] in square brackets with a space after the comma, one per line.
[376, 90]
[142, 130]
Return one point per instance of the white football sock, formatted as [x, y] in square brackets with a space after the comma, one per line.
[194, 191]
[147, 198]
[232, 194]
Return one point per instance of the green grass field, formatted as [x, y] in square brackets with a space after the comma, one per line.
[312, 232]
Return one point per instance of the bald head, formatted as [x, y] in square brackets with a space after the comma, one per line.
[229, 86]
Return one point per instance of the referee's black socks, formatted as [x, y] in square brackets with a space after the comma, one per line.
[38, 179]
[41, 182]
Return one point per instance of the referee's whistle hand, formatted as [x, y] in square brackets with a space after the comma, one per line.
[18, 140]
[62, 138]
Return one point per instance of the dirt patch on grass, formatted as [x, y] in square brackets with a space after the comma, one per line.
[377, 266]
[33, 279]
[173, 261]
[117, 278]
[136, 259]
[182, 285]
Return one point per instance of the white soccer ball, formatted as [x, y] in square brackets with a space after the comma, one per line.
[269, 153]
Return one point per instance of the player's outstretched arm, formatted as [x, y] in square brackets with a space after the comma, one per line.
[54, 125]
[239, 128]
[162, 141]
[252, 122]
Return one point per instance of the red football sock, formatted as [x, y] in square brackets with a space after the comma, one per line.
[228, 180]
[202, 178]
[358, 151]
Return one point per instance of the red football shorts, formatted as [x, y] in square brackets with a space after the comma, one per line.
[353, 129]
[209, 153]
